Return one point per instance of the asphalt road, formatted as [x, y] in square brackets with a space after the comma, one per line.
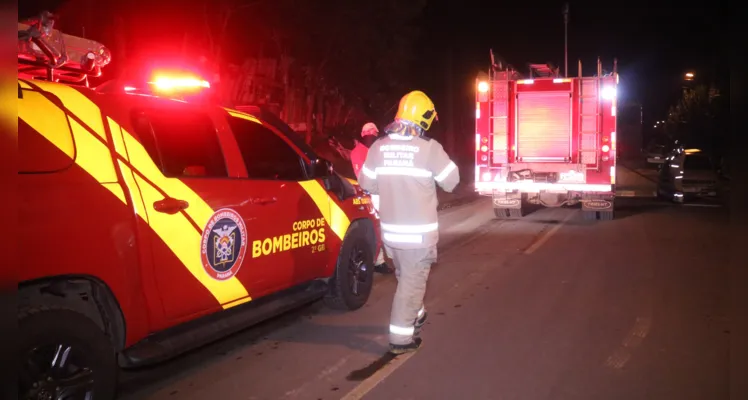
[547, 307]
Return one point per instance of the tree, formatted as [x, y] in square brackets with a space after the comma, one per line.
[697, 118]
[355, 56]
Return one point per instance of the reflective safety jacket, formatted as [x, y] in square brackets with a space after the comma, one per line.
[404, 171]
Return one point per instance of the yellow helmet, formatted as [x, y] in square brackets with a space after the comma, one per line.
[417, 108]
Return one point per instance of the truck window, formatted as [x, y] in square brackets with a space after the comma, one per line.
[182, 144]
[45, 144]
[266, 155]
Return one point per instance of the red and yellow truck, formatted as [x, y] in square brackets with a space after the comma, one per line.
[149, 225]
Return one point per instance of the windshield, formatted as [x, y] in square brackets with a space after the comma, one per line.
[286, 130]
[694, 162]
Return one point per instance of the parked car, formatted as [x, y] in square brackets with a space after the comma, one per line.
[687, 174]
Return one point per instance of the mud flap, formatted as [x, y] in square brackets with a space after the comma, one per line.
[508, 205]
[602, 208]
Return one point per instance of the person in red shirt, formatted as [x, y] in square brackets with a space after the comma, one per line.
[369, 134]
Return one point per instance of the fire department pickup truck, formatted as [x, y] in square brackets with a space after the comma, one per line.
[546, 140]
[151, 225]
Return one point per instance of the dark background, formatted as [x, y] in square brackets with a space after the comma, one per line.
[655, 42]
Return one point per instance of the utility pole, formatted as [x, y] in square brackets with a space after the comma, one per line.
[450, 139]
[566, 40]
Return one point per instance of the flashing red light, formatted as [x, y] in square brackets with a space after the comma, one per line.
[167, 83]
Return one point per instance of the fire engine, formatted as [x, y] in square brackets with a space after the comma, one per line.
[546, 139]
[151, 224]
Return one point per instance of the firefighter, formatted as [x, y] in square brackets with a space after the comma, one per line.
[403, 168]
[369, 134]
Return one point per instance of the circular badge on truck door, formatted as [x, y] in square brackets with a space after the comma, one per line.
[223, 245]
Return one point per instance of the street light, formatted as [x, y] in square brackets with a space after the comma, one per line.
[689, 76]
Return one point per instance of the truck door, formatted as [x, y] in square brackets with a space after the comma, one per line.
[196, 229]
[293, 235]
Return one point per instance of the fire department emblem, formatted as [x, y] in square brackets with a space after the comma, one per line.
[224, 243]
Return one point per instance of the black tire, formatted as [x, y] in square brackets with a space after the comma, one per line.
[353, 280]
[90, 360]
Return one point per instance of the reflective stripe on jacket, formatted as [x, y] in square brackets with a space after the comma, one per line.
[404, 172]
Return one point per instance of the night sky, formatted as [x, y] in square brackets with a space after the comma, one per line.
[655, 42]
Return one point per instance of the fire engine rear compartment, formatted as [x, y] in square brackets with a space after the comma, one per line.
[543, 132]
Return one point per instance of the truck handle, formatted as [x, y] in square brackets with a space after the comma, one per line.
[263, 200]
[170, 205]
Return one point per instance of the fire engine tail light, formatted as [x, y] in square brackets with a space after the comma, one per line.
[606, 148]
[484, 148]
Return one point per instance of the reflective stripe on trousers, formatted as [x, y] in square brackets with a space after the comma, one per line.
[412, 267]
[407, 233]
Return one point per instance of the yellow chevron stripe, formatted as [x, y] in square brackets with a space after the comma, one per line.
[89, 153]
[78, 104]
[175, 231]
[93, 156]
[335, 217]
[242, 115]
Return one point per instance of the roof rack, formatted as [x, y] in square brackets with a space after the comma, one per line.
[48, 54]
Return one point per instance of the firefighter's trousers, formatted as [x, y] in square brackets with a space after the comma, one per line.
[412, 269]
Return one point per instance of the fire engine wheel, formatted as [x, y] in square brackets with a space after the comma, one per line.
[353, 280]
[64, 355]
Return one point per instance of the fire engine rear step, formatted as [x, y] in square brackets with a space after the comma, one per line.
[174, 341]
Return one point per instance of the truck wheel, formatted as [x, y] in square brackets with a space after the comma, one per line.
[64, 355]
[353, 280]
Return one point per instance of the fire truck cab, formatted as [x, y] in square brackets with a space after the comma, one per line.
[545, 139]
[151, 225]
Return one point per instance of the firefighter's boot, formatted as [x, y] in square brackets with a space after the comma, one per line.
[420, 322]
[398, 349]
[380, 265]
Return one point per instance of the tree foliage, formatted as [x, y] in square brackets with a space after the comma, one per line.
[698, 118]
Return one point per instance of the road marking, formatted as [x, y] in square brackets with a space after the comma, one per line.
[322, 375]
[702, 205]
[547, 235]
[636, 336]
[370, 383]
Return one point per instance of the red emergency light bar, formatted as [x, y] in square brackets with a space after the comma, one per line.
[174, 85]
[169, 83]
